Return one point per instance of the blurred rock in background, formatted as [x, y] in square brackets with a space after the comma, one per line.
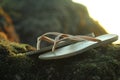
[32, 18]
[7, 30]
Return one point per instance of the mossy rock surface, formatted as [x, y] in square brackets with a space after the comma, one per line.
[102, 63]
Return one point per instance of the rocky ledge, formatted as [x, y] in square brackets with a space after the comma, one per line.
[101, 63]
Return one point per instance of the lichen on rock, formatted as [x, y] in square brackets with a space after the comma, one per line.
[12, 48]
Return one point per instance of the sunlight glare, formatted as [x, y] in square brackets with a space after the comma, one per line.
[106, 12]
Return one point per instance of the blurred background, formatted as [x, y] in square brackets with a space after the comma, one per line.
[106, 12]
[24, 20]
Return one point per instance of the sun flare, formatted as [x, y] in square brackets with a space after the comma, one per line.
[106, 12]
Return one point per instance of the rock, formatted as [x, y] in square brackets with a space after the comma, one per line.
[101, 63]
[32, 18]
[7, 30]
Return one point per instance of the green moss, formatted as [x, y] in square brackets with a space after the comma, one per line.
[14, 48]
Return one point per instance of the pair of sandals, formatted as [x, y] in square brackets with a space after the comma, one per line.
[66, 45]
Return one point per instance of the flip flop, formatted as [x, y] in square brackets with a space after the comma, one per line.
[59, 45]
[77, 48]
